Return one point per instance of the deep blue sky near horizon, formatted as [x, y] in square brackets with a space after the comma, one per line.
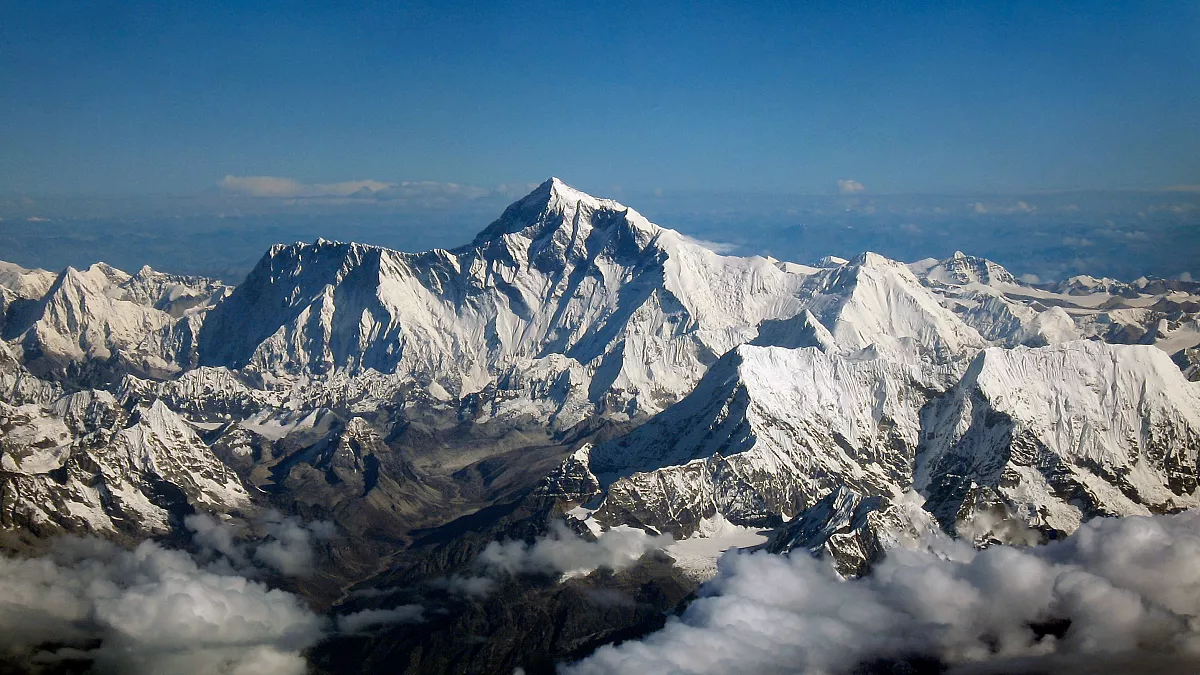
[128, 98]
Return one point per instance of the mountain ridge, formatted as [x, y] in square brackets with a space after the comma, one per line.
[578, 365]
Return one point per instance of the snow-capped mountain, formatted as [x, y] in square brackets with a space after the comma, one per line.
[1008, 312]
[19, 288]
[84, 464]
[1063, 433]
[766, 433]
[576, 361]
[1051, 436]
[561, 282]
[25, 283]
[875, 303]
[104, 319]
[961, 269]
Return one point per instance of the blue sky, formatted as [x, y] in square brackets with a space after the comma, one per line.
[128, 98]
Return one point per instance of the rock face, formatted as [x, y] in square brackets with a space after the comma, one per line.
[855, 531]
[767, 433]
[1064, 433]
[92, 326]
[1188, 361]
[83, 464]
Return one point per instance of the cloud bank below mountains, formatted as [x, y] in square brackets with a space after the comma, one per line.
[561, 552]
[566, 553]
[149, 610]
[159, 610]
[1123, 592]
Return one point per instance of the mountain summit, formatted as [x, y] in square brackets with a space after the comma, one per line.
[555, 206]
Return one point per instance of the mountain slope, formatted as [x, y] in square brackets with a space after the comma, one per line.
[766, 433]
[961, 269]
[83, 464]
[98, 323]
[1063, 433]
[873, 302]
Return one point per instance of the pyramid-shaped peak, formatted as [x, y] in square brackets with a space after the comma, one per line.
[872, 259]
[961, 268]
[831, 261]
[93, 279]
[555, 190]
[553, 205]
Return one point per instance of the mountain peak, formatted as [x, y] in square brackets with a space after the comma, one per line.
[560, 192]
[961, 268]
[872, 259]
[554, 205]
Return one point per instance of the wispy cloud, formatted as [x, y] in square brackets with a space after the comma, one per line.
[276, 186]
[287, 548]
[564, 552]
[988, 209]
[560, 552]
[359, 622]
[279, 187]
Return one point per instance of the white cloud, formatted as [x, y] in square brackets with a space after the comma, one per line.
[1030, 278]
[564, 552]
[850, 187]
[276, 186]
[149, 610]
[261, 186]
[287, 547]
[560, 552]
[1126, 590]
[428, 193]
[372, 618]
[216, 539]
[992, 209]
[469, 586]
[1185, 276]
